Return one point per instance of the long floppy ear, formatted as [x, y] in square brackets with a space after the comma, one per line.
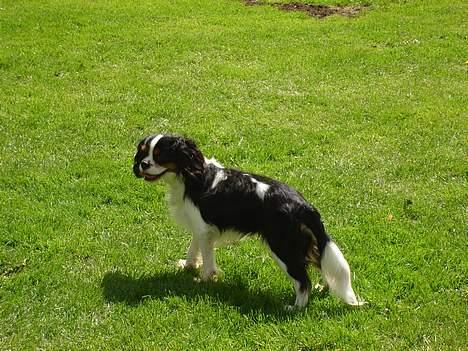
[190, 160]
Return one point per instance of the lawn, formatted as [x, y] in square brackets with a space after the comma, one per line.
[365, 115]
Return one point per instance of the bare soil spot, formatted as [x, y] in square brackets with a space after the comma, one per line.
[317, 11]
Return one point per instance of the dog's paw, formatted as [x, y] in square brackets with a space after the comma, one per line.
[210, 276]
[293, 309]
[183, 264]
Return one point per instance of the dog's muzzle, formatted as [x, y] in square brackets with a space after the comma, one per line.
[148, 171]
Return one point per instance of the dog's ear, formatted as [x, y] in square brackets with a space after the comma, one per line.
[190, 160]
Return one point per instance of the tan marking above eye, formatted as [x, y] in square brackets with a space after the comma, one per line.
[156, 151]
[143, 147]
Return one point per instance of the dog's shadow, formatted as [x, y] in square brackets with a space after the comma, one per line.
[122, 288]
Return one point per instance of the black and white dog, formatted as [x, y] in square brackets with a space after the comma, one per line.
[214, 202]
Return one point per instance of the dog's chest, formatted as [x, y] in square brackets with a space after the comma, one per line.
[188, 215]
[184, 211]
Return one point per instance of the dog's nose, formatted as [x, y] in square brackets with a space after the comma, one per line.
[145, 165]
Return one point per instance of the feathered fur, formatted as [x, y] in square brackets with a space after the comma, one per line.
[213, 202]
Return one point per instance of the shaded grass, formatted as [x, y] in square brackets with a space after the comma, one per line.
[366, 116]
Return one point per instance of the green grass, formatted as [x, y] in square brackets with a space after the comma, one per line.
[366, 116]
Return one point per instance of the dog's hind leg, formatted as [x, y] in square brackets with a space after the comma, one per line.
[297, 272]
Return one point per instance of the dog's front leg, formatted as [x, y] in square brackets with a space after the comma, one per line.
[193, 255]
[206, 242]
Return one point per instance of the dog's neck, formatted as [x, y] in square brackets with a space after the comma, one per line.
[181, 186]
[176, 187]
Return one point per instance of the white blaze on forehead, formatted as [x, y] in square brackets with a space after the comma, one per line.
[153, 145]
[155, 169]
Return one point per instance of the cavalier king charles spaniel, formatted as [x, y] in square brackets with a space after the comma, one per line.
[215, 203]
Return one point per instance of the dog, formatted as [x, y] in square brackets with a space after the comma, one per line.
[213, 202]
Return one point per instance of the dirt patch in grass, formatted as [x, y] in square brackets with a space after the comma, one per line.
[317, 11]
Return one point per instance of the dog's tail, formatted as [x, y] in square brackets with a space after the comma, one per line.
[336, 273]
[326, 256]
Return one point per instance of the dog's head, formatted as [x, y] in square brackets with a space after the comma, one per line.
[158, 155]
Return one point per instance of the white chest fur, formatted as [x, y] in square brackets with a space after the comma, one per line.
[188, 216]
[184, 212]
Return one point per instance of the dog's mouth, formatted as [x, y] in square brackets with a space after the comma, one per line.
[153, 177]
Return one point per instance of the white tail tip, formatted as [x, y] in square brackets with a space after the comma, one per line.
[336, 273]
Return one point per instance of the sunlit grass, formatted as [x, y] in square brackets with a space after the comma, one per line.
[366, 116]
